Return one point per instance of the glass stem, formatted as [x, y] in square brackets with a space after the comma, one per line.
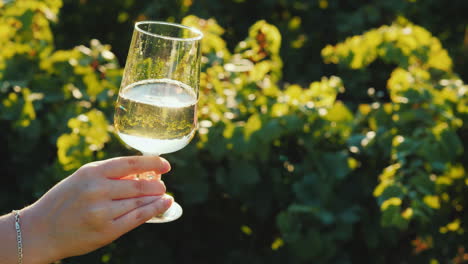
[150, 154]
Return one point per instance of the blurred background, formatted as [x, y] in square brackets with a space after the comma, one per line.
[329, 131]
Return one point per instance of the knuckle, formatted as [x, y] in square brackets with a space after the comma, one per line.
[88, 170]
[146, 212]
[132, 163]
[139, 202]
[139, 187]
[140, 216]
[143, 215]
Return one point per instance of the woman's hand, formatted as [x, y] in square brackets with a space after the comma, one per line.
[93, 207]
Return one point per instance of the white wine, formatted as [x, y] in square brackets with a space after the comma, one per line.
[156, 116]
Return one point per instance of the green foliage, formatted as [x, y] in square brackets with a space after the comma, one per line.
[278, 172]
[42, 88]
[424, 124]
[305, 27]
[422, 115]
[90, 131]
[401, 43]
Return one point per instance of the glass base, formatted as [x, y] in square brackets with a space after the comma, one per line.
[173, 213]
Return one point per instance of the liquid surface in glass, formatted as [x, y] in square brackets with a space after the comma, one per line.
[156, 116]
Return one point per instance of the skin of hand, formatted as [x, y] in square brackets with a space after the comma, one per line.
[98, 203]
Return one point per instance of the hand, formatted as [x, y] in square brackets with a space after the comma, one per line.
[93, 207]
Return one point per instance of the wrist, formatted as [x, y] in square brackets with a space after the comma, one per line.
[38, 246]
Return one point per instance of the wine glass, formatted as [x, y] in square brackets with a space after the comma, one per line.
[156, 110]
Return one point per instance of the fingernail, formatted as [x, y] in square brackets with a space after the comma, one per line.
[166, 166]
[166, 200]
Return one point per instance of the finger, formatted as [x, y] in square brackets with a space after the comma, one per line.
[142, 214]
[130, 177]
[122, 189]
[123, 166]
[120, 207]
[150, 175]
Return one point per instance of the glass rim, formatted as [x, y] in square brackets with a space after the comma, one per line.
[199, 34]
